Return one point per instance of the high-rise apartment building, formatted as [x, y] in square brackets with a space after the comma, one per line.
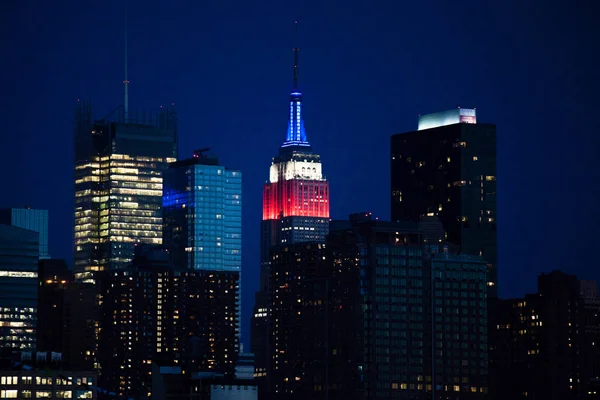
[295, 210]
[316, 332]
[203, 218]
[376, 313]
[447, 168]
[19, 255]
[118, 185]
[152, 312]
[29, 218]
[350, 316]
[459, 315]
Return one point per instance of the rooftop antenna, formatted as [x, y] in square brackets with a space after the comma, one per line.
[296, 49]
[126, 81]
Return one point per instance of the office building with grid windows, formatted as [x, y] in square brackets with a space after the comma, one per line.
[118, 185]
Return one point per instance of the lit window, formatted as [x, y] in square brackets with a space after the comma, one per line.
[475, 158]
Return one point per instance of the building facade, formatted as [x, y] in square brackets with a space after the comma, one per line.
[459, 315]
[375, 312]
[203, 218]
[31, 219]
[447, 168]
[38, 375]
[19, 255]
[295, 210]
[152, 312]
[349, 316]
[118, 185]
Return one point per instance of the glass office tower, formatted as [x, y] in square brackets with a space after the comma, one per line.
[203, 217]
[19, 253]
[118, 185]
[28, 218]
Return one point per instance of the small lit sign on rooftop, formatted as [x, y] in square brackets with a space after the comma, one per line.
[450, 117]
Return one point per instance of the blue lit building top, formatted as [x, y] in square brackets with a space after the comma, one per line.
[296, 135]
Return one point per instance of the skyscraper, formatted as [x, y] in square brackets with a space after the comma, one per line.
[203, 214]
[295, 210]
[118, 185]
[152, 311]
[203, 219]
[19, 252]
[447, 168]
[32, 219]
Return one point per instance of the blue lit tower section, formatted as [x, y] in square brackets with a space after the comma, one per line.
[202, 206]
[296, 135]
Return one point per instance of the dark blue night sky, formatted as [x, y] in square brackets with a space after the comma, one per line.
[367, 69]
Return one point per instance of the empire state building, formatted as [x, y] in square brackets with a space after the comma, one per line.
[295, 209]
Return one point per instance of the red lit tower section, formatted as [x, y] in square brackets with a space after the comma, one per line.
[296, 198]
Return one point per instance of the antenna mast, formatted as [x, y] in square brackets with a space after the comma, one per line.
[296, 58]
[126, 81]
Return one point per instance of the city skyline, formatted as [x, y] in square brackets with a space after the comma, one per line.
[341, 117]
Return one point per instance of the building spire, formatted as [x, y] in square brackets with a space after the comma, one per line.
[296, 49]
[296, 136]
[126, 81]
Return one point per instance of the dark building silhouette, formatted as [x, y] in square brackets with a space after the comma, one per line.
[590, 342]
[376, 313]
[545, 343]
[54, 280]
[171, 381]
[447, 168]
[80, 316]
[19, 255]
[295, 210]
[153, 312]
